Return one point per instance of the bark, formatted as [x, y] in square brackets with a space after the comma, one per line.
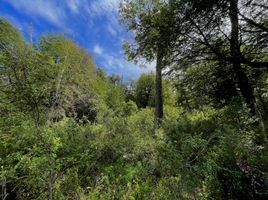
[158, 90]
[242, 79]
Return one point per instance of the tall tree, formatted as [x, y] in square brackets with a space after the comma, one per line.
[224, 30]
[24, 73]
[243, 82]
[75, 72]
[150, 21]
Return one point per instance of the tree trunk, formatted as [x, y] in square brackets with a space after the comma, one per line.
[158, 90]
[242, 79]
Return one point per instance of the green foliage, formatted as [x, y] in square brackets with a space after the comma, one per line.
[71, 132]
[150, 20]
[74, 78]
[144, 91]
[206, 84]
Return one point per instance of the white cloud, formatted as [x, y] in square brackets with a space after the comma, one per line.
[111, 30]
[119, 65]
[49, 10]
[74, 5]
[107, 9]
[58, 13]
[97, 49]
[97, 7]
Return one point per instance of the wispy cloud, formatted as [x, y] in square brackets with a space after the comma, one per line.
[93, 23]
[74, 5]
[97, 49]
[111, 30]
[48, 10]
[105, 9]
[55, 11]
[102, 6]
[117, 64]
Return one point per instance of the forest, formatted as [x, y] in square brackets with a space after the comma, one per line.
[195, 128]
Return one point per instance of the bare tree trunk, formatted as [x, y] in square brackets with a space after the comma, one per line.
[242, 79]
[158, 90]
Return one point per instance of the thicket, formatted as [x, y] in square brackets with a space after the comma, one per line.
[69, 131]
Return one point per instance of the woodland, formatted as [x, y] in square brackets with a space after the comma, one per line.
[195, 128]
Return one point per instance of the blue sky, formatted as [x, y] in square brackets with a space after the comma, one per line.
[93, 24]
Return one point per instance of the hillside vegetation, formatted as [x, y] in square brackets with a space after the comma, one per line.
[197, 129]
